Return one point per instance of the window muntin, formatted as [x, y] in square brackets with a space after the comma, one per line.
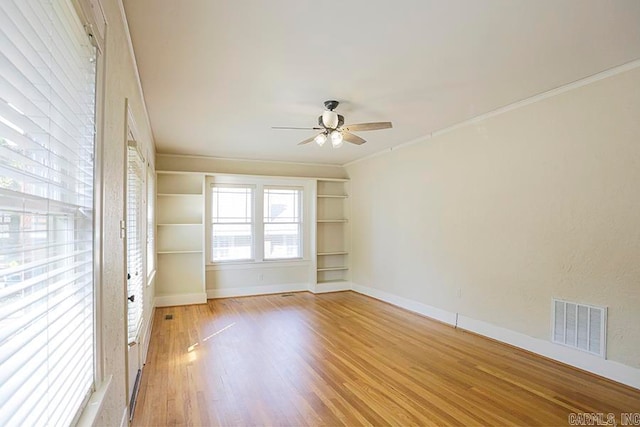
[47, 122]
[232, 222]
[282, 223]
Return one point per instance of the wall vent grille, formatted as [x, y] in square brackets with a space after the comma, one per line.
[580, 326]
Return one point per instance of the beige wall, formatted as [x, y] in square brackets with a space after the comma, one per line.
[120, 83]
[259, 279]
[246, 167]
[493, 219]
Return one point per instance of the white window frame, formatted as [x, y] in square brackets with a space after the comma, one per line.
[252, 223]
[260, 183]
[151, 261]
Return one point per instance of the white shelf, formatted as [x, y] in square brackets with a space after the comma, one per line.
[333, 268]
[180, 240]
[325, 282]
[332, 240]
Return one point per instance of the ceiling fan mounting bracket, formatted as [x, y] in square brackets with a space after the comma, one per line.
[331, 105]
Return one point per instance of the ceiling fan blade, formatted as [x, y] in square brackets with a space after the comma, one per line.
[308, 140]
[367, 126]
[354, 139]
[294, 128]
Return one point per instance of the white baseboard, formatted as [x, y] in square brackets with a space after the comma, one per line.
[180, 299]
[605, 368]
[613, 370]
[411, 305]
[256, 290]
[146, 337]
[321, 288]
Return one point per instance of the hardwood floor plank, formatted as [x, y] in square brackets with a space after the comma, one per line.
[346, 359]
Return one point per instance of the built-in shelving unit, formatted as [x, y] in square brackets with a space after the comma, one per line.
[180, 238]
[332, 232]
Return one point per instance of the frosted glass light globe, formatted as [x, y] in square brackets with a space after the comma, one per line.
[336, 139]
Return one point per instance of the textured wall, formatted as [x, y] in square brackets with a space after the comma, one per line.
[493, 219]
[120, 83]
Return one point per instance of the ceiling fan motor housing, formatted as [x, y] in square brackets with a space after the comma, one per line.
[331, 120]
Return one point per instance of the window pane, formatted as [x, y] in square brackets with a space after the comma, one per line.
[232, 242]
[232, 204]
[282, 241]
[282, 223]
[135, 277]
[281, 205]
[232, 223]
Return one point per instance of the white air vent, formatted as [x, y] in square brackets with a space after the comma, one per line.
[580, 326]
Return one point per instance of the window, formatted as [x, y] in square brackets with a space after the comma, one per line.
[135, 212]
[282, 223]
[151, 216]
[47, 121]
[232, 223]
[256, 219]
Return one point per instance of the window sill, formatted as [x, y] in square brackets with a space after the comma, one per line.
[91, 412]
[248, 265]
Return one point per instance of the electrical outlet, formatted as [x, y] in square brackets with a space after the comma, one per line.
[261, 277]
[459, 292]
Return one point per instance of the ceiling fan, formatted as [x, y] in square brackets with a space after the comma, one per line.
[331, 125]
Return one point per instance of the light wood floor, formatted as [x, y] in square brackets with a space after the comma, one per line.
[346, 359]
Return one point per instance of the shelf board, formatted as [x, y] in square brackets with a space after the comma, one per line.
[179, 252]
[333, 268]
[180, 224]
[179, 194]
[333, 196]
[325, 282]
[333, 179]
[332, 220]
[332, 253]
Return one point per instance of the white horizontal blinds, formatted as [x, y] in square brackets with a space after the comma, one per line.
[232, 222]
[47, 89]
[151, 226]
[135, 210]
[282, 222]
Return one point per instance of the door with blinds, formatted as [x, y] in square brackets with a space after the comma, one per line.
[136, 273]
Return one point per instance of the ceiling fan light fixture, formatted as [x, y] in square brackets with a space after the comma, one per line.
[331, 126]
[320, 139]
[337, 139]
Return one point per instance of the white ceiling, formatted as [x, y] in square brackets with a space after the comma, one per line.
[217, 75]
